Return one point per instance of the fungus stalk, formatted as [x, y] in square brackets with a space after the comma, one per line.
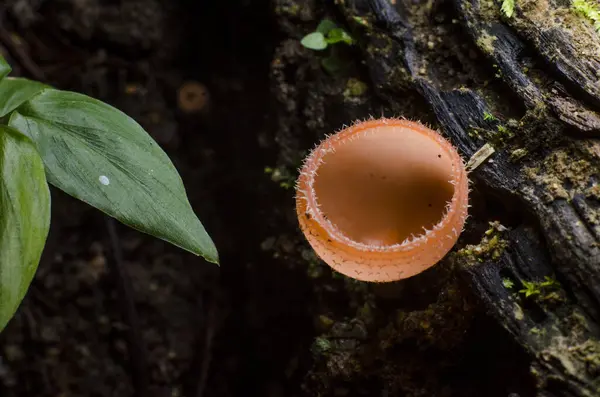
[382, 200]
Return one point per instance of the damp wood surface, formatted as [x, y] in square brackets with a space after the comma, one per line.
[527, 86]
[229, 92]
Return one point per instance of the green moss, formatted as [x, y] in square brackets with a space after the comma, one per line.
[504, 131]
[488, 116]
[558, 171]
[507, 283]
[324, 322]
[485, 42]
[321, 345]
[283, 176]
[292, 10]
[588, 10]
[593, 192]
[547, 291]
[577, 354]
[518, 154]
[537, 331]
[491, 246]
[498, 138]
[474, 133]
[589, 353]
[488, 10]
[518, 312]
[355, 88]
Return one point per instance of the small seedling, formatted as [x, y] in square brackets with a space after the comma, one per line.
[508, 7]
[531, 288]
[508, 283]
[327, 33]
[321, 345]
[549, 283]
[488, 116]
[361, 21]
[325, 36]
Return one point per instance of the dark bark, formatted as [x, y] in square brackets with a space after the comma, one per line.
[544, 98]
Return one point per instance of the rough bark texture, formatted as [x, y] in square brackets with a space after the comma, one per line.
[528, 85]
[273, 320]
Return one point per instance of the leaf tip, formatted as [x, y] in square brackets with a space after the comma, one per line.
[208, 252]
[211, 255]
[213, 260]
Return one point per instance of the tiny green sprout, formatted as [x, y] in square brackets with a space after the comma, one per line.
[504, 133]
[325, 26]
[589, 10]
[327, 33]
[536, 288]
[537, 331]
[314, 41]
[508, 7]
[355, 87]
[508, 283]
[286, 185]
[491, 246]
[488, 116]
[549, 283]
[339, 35]
[474, 133]
[360, 20]
[530, 289]
[321, 345]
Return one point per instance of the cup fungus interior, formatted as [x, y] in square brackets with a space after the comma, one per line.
[385, 185]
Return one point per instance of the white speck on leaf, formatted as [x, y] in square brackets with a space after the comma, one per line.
[104, 180]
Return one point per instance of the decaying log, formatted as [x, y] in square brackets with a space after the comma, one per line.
[540, 276]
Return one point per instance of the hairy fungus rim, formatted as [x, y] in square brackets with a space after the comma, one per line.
[314, 160]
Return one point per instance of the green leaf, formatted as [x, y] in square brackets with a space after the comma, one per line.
[326, 26]
[488, 116]
[338, 34]
[508, 283]
[5, 68]
[15, 91]
[314, 41]
[101, 156]
[24, 218]
[508, 7]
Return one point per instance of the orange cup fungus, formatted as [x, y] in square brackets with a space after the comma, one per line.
[382, 200]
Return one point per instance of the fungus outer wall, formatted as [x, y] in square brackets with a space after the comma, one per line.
[382, 200]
